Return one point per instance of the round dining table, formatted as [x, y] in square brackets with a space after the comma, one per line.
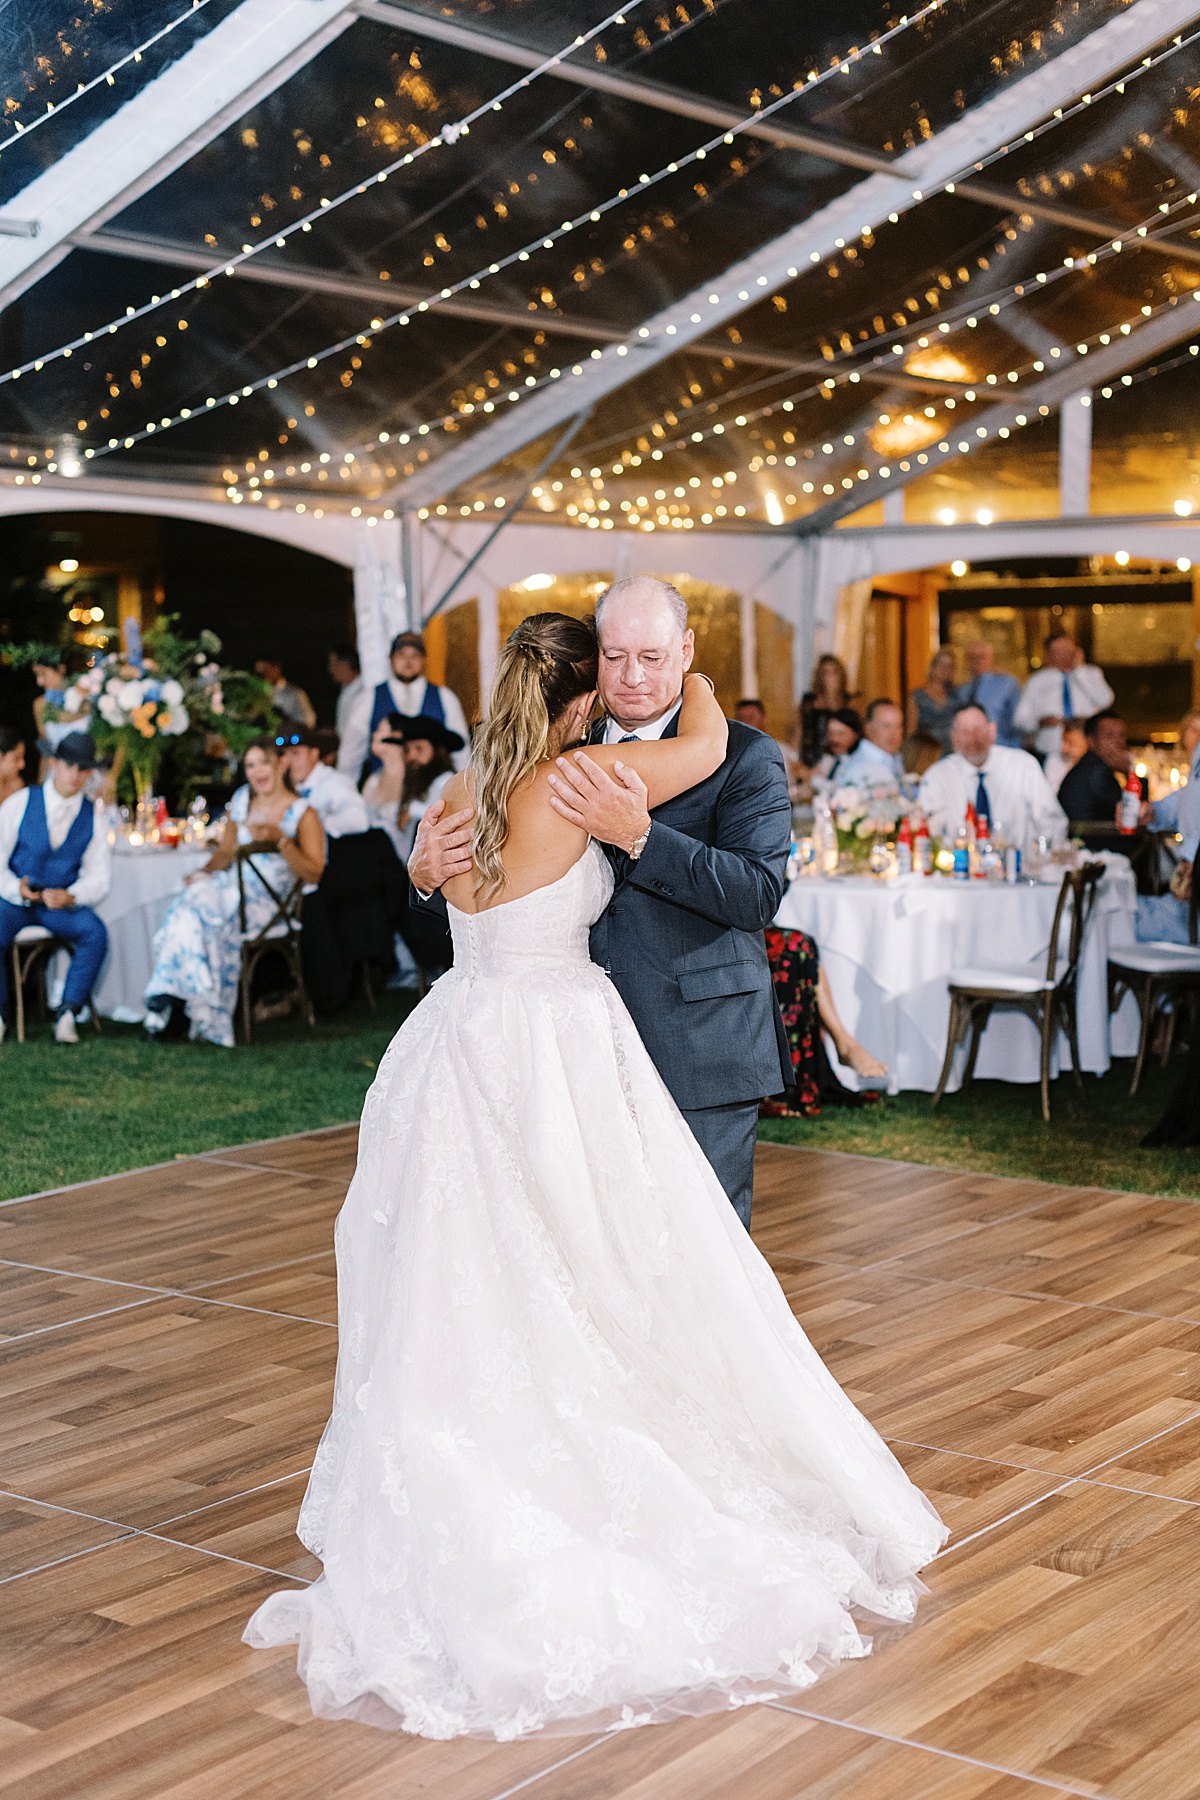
[145, 878]
[889, 946]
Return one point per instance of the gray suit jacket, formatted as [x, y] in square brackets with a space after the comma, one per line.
[683, 936]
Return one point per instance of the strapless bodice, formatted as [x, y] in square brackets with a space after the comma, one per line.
[547, 929]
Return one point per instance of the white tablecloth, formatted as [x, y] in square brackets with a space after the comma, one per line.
[888, 948]
[144, 881]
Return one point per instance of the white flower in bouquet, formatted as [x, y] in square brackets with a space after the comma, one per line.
[110, 711]
[171, 694]
[174, 721]
[127, 694]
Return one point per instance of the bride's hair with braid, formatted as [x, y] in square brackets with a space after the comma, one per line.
[550, 660]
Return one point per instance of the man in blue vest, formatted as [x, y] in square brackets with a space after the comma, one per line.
[55, 866]
[406, 691]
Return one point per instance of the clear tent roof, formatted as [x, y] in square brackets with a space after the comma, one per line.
[905, 334]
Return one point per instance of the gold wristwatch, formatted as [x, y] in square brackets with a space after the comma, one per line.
[638, 845]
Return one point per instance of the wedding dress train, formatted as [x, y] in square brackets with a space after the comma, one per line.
[584, 1468]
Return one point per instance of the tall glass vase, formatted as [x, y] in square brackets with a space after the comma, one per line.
[143, 820]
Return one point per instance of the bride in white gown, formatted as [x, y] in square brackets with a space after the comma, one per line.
[584, 1469]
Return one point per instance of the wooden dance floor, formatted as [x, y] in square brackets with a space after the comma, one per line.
[1032, 1354]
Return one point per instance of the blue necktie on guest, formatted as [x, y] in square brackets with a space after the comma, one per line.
[1068, 711]
[983, 810]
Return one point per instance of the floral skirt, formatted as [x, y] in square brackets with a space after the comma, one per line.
[795, 964]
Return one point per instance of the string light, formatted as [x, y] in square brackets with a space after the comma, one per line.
[448, 135]
[106, 79]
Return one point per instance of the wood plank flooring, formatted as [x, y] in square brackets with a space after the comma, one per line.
[1032, 1354]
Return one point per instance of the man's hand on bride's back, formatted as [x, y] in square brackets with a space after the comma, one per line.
[442, 847]
[611, 808]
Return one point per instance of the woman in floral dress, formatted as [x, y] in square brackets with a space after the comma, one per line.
[806, 1003]
[198, 946]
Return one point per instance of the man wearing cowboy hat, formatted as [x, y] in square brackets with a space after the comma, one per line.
[406, 691]
[337, 802]
[55, 866]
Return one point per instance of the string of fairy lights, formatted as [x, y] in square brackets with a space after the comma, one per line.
[531, 384]
[106, 78]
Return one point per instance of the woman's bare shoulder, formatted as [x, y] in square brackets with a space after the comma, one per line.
[458, 792]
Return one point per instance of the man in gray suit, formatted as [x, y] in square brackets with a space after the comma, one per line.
[697, 881]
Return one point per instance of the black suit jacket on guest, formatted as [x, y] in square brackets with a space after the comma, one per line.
[683, 936]
[1090, 791]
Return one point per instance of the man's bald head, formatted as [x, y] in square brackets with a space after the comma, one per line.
[646, 648]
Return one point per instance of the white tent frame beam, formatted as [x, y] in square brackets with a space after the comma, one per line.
[1179, 320]
[248, 55]
[711, 112]
[926, 169]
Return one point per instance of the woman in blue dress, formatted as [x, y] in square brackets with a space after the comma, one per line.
[197, 948]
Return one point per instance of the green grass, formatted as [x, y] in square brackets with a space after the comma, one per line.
[109, 1103]
[113, 1103]
[997, 1129]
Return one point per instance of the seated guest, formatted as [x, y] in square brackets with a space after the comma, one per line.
[752, 712]
[429, 751]
[197, 948]
[1074, 746]
[12, 763]
[1090, 792]
[931, 708]
[413, 772]
[55, 866]
[997, 693]
[1007, 788]
[383, 791]
[843, 734]
[1066, 687]
[1165, 917]
[339, 804]
[877, 757]
[807, 1008]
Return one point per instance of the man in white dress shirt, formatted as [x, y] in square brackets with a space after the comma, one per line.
[1163, 917]
[55, 866]
[406, 691]
[345, 670]
[876, 758]
[333, 796]
[1006, 787]
[1066, 688]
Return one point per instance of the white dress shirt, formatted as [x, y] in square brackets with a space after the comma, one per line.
[95, 871]
[1019, 797]
[348, 699]
[1043, 698]
[645, 734]
[408, 697]
[867, 763]
[335, 800]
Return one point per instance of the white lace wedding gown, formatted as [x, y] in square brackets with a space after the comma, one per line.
[584, 1468]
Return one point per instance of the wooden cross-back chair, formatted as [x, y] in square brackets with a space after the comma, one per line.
[1049, 1000]
[281, 933]
[30, 954]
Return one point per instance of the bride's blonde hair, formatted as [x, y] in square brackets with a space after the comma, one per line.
[550, 660]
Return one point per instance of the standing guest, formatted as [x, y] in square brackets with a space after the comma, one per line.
[55, 866]
[1074, 746]
[50, 673]
[1006, 787]
[996, 692]
[877, 757]
[198, 947]
[408, 691]
[286, 697]
[843, 734]
[339, 804]
[1067, 687]
[328, 744]
[829, 694]
[931, 708]
[12, 763]
[344, 668]
[1090, 791]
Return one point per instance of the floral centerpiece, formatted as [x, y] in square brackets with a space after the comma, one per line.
[863, 813]
[167, 707]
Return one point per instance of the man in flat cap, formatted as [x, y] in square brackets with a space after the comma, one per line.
[55, 867]
[408, 691]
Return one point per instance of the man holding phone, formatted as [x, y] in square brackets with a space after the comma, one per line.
[55, 866]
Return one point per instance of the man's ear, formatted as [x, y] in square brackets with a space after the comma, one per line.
[689, 647]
